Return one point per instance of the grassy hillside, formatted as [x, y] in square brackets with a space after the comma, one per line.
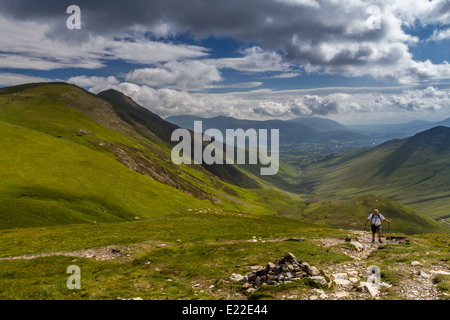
[353, 212]
[47, 181]
[414, 171]
[69, 157]
[167, 258]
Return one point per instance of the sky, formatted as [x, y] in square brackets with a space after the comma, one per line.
[354, 61]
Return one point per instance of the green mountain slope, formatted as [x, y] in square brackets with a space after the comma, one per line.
[149, 125]
[70, 156]
[47, 180]
[414, 171]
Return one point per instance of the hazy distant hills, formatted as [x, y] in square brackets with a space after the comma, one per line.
[301, 130]
[396, 131]
[321, 124]
[316, 129]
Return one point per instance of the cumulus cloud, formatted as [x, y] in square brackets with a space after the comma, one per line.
[439, 35]
[28, 45]
[95, 84]
[253, 59]
[268, 104]
[429, 99]
[272, 109]
[184, 75]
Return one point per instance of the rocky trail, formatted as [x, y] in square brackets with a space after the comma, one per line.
[351, 280]
[337, 281]
[417, 284]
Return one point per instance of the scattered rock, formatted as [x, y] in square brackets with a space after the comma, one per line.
[440, 272]
[397, 239]
[251, 290]
[236, 277]
[318, 291]
[371, 288]
[424, 275]
[352, 273]
[353, 279]
[314, 271]
[359, 247]
[342, 282]
[415, 263]
[340, 276]
[342, 295]
[256, 268]
[319, 280]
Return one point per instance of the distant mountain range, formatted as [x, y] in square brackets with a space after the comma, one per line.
[321, 124]
[396, 131]
[300, 130]
[316, 129]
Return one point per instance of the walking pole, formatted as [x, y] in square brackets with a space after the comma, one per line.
[389, 227]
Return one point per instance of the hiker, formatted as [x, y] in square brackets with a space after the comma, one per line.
[376, 218]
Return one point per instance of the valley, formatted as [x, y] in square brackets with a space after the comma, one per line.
[88, 180]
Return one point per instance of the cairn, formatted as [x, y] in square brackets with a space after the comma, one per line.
[279, 271]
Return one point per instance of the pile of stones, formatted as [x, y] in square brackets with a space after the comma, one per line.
[283, 270]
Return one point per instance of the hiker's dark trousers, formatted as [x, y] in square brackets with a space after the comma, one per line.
[375, 228]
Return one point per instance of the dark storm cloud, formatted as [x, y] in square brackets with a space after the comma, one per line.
[273, 23]
[330, 36]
